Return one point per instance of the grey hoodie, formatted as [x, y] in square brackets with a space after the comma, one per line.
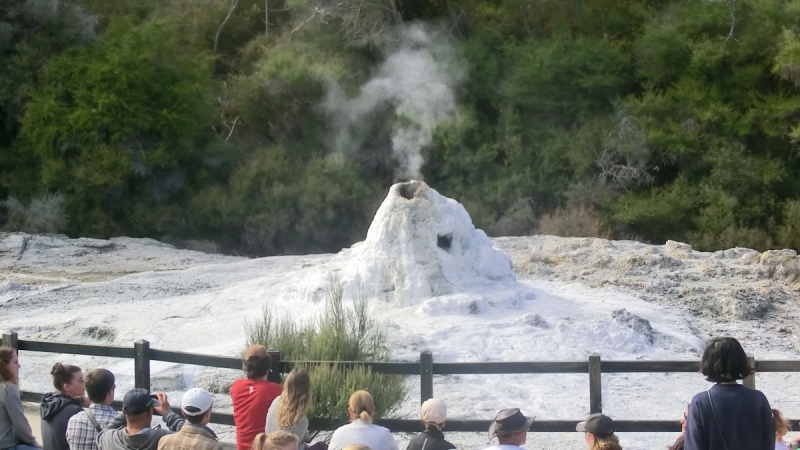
[14, 426]
[115, 437]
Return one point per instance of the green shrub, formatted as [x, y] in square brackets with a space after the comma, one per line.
[339, 334]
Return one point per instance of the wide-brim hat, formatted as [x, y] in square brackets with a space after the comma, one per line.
[509, 421]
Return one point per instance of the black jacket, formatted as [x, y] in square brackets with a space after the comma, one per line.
[430, 439]
[56, 409]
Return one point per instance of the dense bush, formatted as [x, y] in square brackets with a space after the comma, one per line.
[339, 333]
[654, 119]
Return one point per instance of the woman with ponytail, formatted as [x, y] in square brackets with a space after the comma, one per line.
[598, 431]
[288, 411]
[361, 430]
[58, 407]
[15, 431]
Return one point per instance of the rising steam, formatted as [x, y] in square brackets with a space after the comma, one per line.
[417, 79]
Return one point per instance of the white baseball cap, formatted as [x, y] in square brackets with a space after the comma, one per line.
[197, 400]
[433, 411]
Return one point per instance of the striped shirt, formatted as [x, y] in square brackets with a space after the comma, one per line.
[81, 434]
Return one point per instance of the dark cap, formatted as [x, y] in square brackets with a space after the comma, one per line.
[598, 425]
[509, 421]
[137, 401]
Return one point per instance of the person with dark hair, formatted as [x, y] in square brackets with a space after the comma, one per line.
[728, 416]
[83, 428]
[252, 396]
[679, 443]
[433, 414]
[195, 435]
[15, 431]
[58, 407]
[132, 428]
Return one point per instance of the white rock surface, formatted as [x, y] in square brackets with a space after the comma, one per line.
[571, 297]
[422, 245]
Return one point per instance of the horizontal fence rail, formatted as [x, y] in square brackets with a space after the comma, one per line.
[142, 355]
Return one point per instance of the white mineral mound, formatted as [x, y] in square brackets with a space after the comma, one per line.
[422, 245]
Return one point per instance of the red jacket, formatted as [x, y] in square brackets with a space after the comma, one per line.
[251, 400]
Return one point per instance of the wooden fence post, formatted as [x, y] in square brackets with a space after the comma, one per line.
[274, 374]
[11, 340]
[426, 375]
[595, 385]
[750, 381]
[141, 364]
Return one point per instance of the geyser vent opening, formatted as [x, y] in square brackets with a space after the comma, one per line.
[444, 241]
[409, 189]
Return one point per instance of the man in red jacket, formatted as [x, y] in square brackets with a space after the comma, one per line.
[252, 396]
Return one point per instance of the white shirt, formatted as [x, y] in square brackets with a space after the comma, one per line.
[504, 447]
[359, 432]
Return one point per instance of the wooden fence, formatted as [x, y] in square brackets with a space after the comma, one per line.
[142, 354]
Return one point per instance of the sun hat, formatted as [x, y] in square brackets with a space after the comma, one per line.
[433, 411]
[509, 421]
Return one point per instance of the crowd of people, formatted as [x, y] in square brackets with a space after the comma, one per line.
[78, 415]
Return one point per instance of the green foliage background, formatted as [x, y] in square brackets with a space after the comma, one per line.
[648, 119]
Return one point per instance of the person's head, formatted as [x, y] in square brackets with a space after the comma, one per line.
[256, 362]
[100, 386]
[196, 406]
[510, 426]
[724, 361]
[278, 440]
[137, 405]
[68, 380]
[598, 431]
[9, 365]
[782, 425]
[684, 419]
[433, 413]
[361, 406]
[295, 398]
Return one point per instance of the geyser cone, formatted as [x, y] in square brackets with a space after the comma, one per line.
[422, 245]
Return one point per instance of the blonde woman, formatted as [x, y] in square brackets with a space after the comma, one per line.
[361, 430]
[278, 440]
[15, 431]
[598, 431]
[288, 410]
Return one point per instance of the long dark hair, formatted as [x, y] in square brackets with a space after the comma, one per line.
[678, 445]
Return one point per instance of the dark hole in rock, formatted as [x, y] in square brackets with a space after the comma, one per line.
[409, 190]
[444, 240]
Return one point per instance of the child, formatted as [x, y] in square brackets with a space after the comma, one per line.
[782, 426]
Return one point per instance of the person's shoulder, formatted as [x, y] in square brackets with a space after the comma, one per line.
[447, 445]
[10, 388]
[80, 416]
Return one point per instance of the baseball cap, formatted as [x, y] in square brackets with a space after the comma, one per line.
[597, 424]
[196, 401]
[433, 411]
[138, 401]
